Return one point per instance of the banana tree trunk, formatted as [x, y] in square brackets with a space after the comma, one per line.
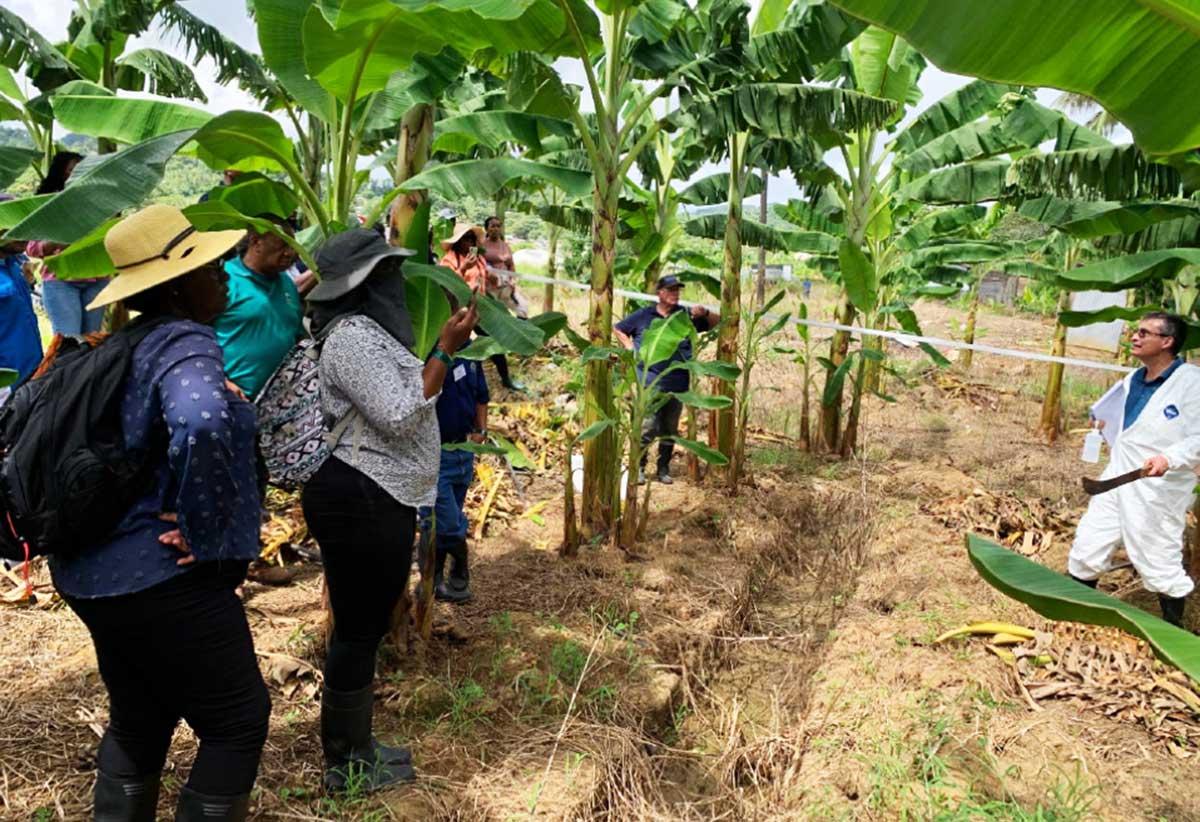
[969, 332]
[760, 286]
[412, 152]
[694, 471]
[850, 437]
[731, 292]
[551, 268]
[831, 414]
[600, 468]
[1052, 402]
[806, 442]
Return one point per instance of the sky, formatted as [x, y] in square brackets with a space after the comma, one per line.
[50, 18]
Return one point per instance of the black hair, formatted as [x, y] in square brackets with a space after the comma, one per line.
[56, 177]
[1174, 326]
[488, 221]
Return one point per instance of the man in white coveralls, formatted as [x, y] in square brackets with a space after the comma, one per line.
[1158, 430]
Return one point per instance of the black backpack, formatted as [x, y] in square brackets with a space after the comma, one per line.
[66, 480]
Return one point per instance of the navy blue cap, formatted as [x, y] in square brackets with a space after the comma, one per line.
[668, 281]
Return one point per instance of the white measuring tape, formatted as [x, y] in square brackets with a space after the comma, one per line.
[907, 340]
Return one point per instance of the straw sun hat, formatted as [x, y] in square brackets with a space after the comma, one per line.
[461, 232]
[155, 245]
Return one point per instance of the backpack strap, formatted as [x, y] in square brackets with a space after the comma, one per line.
[334, 435]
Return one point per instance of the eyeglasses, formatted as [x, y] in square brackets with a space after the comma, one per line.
[1145, 332]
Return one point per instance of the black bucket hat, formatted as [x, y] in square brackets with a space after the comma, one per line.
[345, 260]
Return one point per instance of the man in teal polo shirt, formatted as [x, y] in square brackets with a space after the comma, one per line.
[263, 318]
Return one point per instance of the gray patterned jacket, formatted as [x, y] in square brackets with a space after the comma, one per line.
[395, 442]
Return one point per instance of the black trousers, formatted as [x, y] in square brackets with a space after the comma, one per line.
[662, 423]
[366, 540]
[181, 650]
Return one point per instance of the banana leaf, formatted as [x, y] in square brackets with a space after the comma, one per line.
[280, 38]
[786, 111]
[124, 119]
[714, 189]
[13, 162]
[483, 178]
[965, 251]
[710, 455]
[458, 135]
[956, 109]
[1026, 126]
[964, 184]
[706, 401]
[761, 236]
[517, 336]
[1104, 172]
[661, 340]
[858, 275]
[886, 66]
[1125, 272]
[1078, 319]
[247, 141]
[87, 257]
[253, 194]
[99, 189]
[14, 211]
[8, 376]
[1092, 218]
[1058, 597]
[360, 45]
[1074, 45]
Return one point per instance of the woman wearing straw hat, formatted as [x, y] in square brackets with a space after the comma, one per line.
[158, 593]
[361, 505]
[465, 256]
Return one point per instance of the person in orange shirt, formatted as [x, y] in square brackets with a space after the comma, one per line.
[463, 256]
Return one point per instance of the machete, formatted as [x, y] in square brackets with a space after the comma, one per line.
[1093, 487]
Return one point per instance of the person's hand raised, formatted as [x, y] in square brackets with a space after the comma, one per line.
[457, 329]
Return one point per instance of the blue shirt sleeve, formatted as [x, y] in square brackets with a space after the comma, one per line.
[199, 417]
[631, 324]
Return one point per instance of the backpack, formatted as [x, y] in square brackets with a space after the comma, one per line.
[65, 476]
[293, 436]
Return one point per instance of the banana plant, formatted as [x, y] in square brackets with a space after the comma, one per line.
[640, 397]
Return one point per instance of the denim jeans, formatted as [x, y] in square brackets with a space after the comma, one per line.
[65, 303]
[454, 478]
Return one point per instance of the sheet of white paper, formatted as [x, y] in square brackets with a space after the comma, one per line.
[1111, 409]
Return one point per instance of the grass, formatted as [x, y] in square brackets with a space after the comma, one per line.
[930, 773]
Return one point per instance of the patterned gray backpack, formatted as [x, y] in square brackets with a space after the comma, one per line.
[292, 431]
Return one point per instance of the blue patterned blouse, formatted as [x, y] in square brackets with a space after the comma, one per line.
[207, 475]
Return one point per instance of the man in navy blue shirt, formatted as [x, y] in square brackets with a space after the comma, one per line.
[462, 417]
[663, 423]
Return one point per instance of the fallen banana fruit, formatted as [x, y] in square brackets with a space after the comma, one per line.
[1005, 632]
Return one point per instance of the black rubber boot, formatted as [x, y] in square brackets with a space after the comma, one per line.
[1172, 609]
[439, 568]
[456, 588]
[352, 755]
[125, 800]
[1091, 583]
[200, 807]
[665, 448]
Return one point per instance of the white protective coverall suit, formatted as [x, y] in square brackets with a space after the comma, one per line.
[1147, 517]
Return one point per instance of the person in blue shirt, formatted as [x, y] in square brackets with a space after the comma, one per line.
[264, 316]
[20, 340]
[158, 593]
[462, 410]
[664, 423]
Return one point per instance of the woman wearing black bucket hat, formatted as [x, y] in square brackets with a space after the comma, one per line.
[361, 505]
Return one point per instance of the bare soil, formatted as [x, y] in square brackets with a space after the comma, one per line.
[767, 655]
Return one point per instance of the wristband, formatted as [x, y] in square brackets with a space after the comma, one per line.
[438, 353]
